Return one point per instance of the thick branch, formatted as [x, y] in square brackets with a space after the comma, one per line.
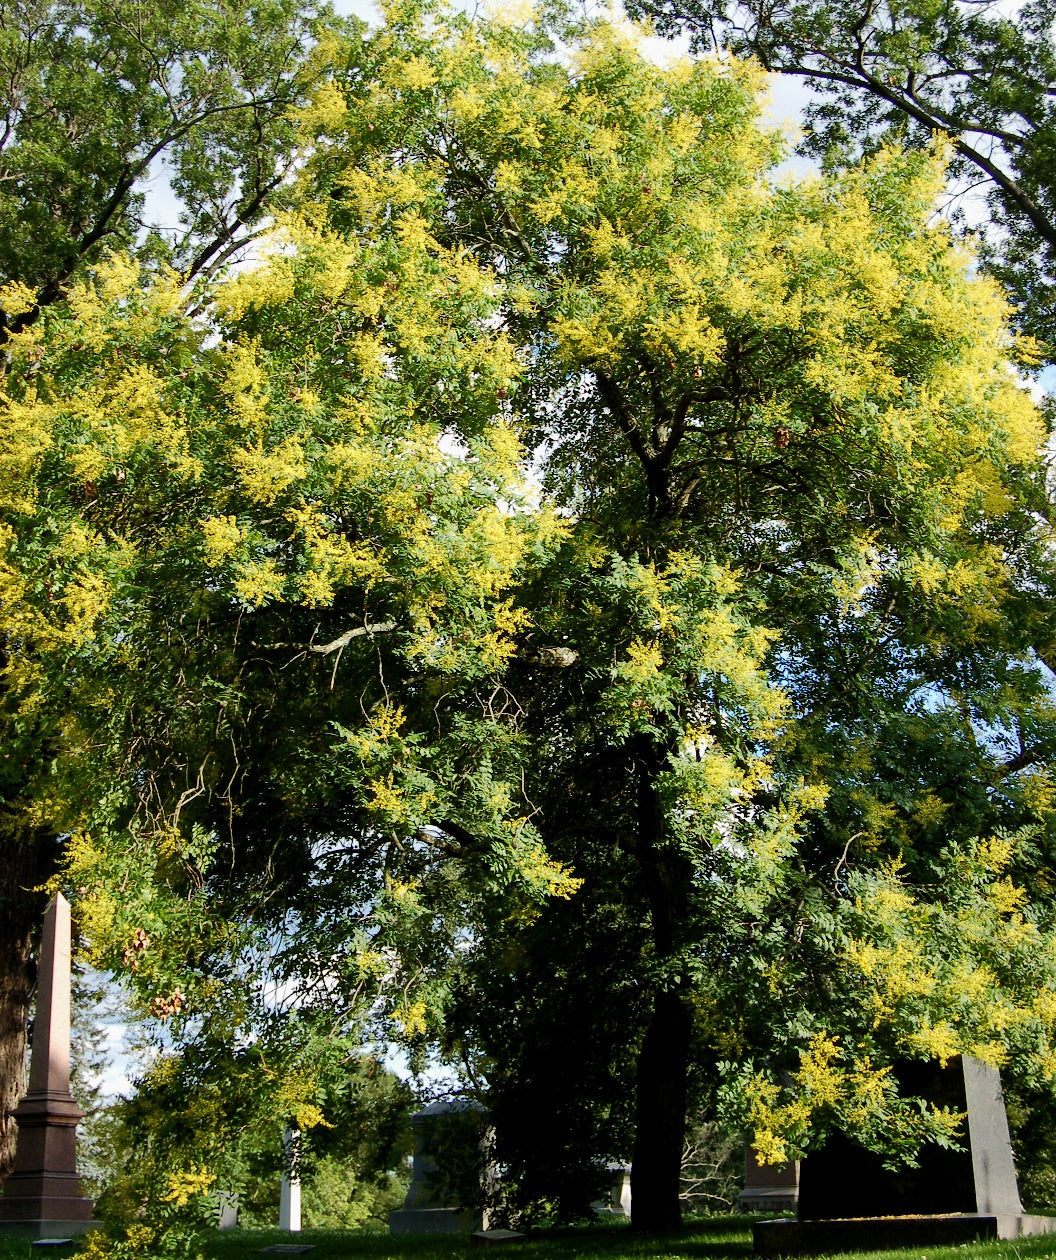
[52, 290]
[335, 645]
[1019, 762]
[933, 117]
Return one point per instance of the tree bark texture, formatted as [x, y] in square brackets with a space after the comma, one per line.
[663, 1063]
[660, 1115]
[25, 864]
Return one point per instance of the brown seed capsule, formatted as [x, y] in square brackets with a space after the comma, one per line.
[781, 438]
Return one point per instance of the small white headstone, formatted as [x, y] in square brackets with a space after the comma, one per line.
[290, 1191]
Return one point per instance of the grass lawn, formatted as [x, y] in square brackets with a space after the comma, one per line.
[717, 1238]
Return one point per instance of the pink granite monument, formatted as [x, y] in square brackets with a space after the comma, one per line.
[768, 1188]
[42, 1197]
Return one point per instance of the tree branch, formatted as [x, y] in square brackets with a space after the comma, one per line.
[377, 627]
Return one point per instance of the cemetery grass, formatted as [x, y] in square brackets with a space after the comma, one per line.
[712, 1238]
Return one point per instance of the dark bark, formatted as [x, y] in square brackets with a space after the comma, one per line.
[660, 1114]
[15, 992]
[26, 863]
[663, 1063]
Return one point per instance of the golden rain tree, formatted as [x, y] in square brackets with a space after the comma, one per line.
[97, 96]
[219, 554]
[801, 757]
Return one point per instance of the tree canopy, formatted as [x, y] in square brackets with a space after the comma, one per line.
[977, 73]
[569, 528]
[99, 99]
[99, 102]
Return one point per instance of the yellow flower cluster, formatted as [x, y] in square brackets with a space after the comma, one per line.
[186, 1184]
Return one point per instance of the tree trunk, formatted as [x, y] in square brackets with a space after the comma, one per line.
[663, 1063]
[26, 864]
[660, 1115]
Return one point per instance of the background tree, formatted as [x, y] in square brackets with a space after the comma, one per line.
[976, 72]
[95, 1008]
[101, 98]
[98, 100]
[353, 1157]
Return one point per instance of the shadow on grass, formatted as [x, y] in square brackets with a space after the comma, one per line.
[714, 1239]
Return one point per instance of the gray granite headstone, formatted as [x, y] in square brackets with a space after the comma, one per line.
[994, 1173]
[494, 1237]
[848, 1200]
[431, 1205]
[227, 1209]
[843, 1179]
[619, 1201]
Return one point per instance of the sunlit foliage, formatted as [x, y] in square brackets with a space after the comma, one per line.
[565, 514]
